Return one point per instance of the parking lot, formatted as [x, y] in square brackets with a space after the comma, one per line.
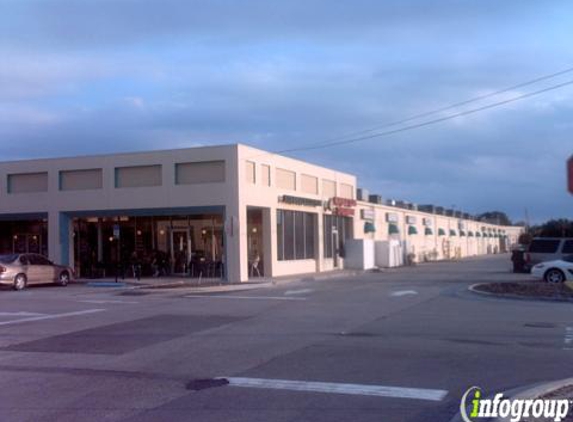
[398, 345]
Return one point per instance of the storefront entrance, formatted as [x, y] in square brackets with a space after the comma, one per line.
[157, 246]
[26, 236]
[181, 247]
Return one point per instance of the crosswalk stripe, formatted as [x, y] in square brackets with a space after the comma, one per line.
[340, 388]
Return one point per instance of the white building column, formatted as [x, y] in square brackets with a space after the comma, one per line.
[269, 240]
[236, 250]
[60, 238]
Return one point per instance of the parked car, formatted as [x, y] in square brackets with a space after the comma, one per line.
[556, 271]
[542, 249]
[20, 270]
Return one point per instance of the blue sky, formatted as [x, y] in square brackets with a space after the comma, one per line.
[99, 76]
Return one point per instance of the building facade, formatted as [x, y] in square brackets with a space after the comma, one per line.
[230, 211]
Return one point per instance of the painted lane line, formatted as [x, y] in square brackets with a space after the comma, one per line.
[29, 314]
[99, 302]
[298, 292]
[340, 388]
[403, 293]
[246, 297]
[568, 340]
[41, 318]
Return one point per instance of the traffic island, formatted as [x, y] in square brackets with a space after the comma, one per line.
[542, 402]
[529, 290]
[565, 392]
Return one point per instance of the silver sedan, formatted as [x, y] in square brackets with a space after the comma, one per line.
[21, 270]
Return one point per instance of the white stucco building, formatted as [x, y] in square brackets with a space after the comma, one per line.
[225, 211]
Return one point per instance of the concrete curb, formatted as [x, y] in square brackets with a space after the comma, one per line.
[510, 296]
[225, 287]
[537, 391]
[532, 391]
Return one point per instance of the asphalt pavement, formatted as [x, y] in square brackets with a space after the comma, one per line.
[398, 345]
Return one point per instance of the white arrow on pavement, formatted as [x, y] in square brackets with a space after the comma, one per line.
[403, 293]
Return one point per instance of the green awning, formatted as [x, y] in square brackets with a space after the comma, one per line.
[369, 227]
[470, 234]
[453, 232]
[412, 230]
[462, 233]
[428, 231]
[393, 229]
[441, 232]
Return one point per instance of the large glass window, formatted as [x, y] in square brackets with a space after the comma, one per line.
[299, 235]
[288, 235]
[280, 236]
[568, 246]
[295, 235]
[544, 246]
[310, 231]
[327, 229]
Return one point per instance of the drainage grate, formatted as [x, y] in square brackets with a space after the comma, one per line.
[206, 383]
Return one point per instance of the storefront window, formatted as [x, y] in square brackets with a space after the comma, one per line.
[295, 235]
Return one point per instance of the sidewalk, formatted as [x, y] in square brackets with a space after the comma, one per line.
[215, 284]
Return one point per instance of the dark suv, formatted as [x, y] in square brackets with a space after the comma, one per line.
[547, 249]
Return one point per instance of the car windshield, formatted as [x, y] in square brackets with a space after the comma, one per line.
[8, 259]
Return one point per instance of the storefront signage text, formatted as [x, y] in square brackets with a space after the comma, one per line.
[391, 217]
[368, 214]
[410, 219]
[297, 200]
[343, 206]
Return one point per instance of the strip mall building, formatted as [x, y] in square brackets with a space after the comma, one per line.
[226, 211]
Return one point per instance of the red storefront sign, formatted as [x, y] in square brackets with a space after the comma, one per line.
[343, 206]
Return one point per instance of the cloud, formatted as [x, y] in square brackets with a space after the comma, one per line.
[81, 77]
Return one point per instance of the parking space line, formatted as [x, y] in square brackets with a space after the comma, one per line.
[22, 313]
[400, 293]
[41, 318]
[568, 341]
[298, 292]
[340, 388]
[245, 297]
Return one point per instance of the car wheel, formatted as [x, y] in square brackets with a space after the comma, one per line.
[20, 282]
[554, 275]
[64, 278]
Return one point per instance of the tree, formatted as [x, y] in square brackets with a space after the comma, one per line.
[554, 228]
[495, 217]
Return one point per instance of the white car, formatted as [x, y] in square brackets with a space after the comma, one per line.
[556, 271]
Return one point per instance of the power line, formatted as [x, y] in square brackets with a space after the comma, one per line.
[429, 122]
[442, 109]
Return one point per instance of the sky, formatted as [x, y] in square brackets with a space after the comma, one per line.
[81, 77]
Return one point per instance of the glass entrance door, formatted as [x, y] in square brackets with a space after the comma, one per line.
[180, 251]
